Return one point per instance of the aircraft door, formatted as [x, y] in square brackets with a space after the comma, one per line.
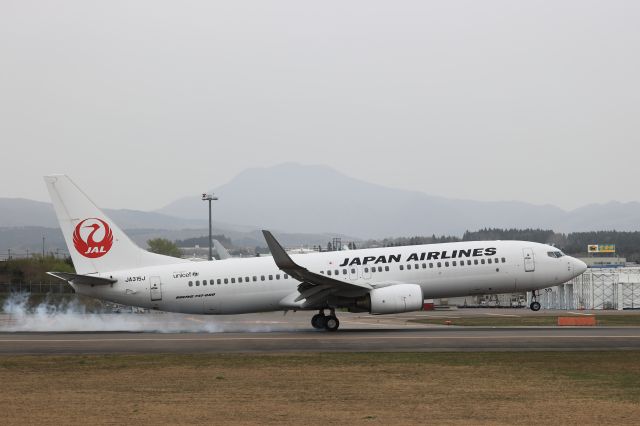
[529, 261]
[155, 287]
[366, 272]
[353, 273]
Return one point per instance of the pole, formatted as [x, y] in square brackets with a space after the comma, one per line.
[43, 246]
[210, 235]
[210, 198]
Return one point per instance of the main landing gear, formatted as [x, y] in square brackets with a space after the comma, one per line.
[535, 305]
[328, 322]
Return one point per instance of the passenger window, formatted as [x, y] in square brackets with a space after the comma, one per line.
[373, 269]
[401, 268]
[329, 273]
[286, 277]
[504, 260]
[255, 278]
[430, 265]
[489, 260]
[239, 279]
[379, 268]
[277, 276]
[219, 281]
[386, 268]
[475, 261]
[482, 261]
[424, 266]
[408, 267]
[439, 264]
[190, 283]
[353, 270]
[246, 279]
[204, 282]
[226, 280]
[337, 272]
[322, 272]
[197, 283]
[270, 277]
[417, 266]
[366, 269]
[261, 277]
[453, 263]
[233, 280]
[469, 262]
[446, 264]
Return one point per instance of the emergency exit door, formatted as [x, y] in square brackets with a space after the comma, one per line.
[156, 288]
[529, 261]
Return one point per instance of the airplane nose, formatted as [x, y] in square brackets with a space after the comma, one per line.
[579, 266]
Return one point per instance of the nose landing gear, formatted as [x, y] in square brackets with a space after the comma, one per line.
[328, 322]
[535, 305]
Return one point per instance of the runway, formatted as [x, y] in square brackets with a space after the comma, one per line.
[356, 340]
[273, 333]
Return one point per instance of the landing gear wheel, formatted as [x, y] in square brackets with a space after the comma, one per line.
[318, 321]
[535, 306]
[331, 323]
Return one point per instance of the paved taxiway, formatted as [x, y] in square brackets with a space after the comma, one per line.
[167, 333]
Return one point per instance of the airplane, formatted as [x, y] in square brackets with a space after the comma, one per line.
[389, 280]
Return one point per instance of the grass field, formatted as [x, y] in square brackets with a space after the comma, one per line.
[399, 388]
[527, 320]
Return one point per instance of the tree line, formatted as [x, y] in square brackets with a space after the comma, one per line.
[575, 243]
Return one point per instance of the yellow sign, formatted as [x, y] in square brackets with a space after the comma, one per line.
[601, 248]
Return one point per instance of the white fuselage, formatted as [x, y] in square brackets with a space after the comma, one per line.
[245, 285]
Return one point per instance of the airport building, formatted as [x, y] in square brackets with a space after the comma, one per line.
[597, 288]
[609, 283]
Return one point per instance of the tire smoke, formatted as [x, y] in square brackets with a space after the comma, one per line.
[73, 316]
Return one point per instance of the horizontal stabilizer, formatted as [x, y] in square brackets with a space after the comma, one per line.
[81, 279]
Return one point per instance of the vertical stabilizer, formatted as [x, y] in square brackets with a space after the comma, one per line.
[95, 242]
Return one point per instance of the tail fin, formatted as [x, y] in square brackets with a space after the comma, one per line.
[95, 242]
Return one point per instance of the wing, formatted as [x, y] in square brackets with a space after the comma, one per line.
[314, 289]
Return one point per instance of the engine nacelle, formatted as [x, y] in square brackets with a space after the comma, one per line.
[395, 299]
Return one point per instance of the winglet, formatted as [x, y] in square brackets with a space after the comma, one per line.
[280, 256]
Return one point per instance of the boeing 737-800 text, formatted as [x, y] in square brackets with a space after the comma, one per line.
[388, 280]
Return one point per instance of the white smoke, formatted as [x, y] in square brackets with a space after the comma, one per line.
[73, 316]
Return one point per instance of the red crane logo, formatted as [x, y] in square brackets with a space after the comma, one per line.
[85, 241]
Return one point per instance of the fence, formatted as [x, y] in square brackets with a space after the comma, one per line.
[29, 254]
[58, 287]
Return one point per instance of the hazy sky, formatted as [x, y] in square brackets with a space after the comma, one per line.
[142, 102]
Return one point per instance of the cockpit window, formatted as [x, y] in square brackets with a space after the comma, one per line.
[556, 254]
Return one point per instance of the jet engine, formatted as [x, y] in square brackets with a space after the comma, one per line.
[392, 300]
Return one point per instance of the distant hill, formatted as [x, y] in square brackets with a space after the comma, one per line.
[19, 212]
[300, 198]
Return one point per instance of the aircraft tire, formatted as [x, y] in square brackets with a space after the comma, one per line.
[535, 306]
[331, 323]
[318, 321]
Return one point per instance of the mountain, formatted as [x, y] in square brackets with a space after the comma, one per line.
[300, 198]
[19, 212]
